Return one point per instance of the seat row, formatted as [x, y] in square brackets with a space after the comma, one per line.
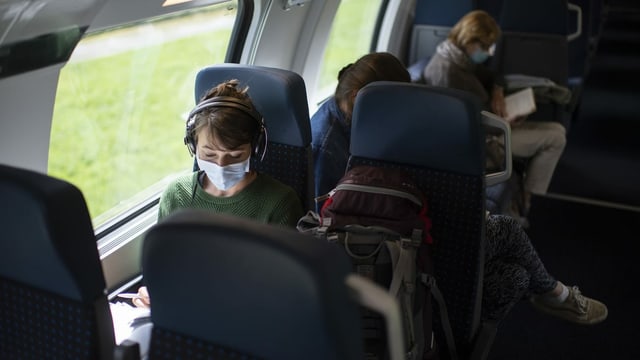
[436, 135]
[552, 39]
[223, 287]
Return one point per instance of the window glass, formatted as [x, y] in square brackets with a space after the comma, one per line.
[122, 99]
[351, 36]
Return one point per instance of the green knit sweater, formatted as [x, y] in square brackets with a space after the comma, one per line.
[265, 199]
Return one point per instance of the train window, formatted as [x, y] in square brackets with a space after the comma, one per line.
[351, 36]
[121, 104]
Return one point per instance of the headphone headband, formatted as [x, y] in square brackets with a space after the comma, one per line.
[228, 102]
[225, 101]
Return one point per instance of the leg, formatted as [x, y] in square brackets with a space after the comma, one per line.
[543, 143]
[507, 242]
[504, 286]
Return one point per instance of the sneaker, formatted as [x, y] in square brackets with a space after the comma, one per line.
[576, 308]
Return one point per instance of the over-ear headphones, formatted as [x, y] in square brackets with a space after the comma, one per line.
[259, 143]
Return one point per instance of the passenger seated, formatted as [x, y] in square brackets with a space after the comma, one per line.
[223, 132]
[331, 124]
[508, 252]
[459, 62]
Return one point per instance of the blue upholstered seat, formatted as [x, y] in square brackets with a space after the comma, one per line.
[228, 288]
[280, 96]
[534, 43]
[436, 135]
[52, 289]
[431, 24]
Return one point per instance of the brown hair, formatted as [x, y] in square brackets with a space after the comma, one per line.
[380, 66]
[232, 127]
[475, 26]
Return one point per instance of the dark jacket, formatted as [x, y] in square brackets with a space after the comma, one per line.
[330, 143]
[451, 67]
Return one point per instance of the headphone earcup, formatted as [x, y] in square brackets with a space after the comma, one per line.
[189, 139]
[261, 140]
[260, 147]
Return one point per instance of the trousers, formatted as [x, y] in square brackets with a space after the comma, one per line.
[513, 268]
[542, 143]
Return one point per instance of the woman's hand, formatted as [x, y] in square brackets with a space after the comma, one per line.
[497, 102]
[518, 120]
[142, 301]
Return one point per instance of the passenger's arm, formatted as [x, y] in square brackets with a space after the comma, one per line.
[287, 211]
[167, 201]
[494, 85]
[178, 194]
[330, 164]
[497, 101]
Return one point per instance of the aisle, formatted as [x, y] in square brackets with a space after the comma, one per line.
[602, 158]
[585, 229]
[591, 247]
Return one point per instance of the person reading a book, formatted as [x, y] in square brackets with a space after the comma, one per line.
[459, 62]
[224, 131]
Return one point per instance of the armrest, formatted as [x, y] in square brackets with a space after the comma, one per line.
[578, 10]
[374, 297]
[484, 340]
[495, 121]
[127, 350]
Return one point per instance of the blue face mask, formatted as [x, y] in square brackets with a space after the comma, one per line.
[224, 177]
[479, 56]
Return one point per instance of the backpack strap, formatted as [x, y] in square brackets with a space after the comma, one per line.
[402, 287]
[403, 254]
[430, 282]
[404, 267]
[313, 223]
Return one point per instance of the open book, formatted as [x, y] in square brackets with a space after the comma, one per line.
[520, 103]
[126, 318]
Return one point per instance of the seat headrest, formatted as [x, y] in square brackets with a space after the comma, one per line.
[532, 17]
[47, 237]
[279, 95]
[419, 125]
[443, 13]
[260, 289]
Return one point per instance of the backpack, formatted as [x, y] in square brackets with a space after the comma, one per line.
[379, 217]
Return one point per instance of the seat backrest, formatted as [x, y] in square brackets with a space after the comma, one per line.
[581, 50]
[281, 97]
[534, 43]
[535, 16]
[493, 7]
[52, 288]
[436, 135]
[432, 21]
[534, 40]
[538, 55]
[227, 285]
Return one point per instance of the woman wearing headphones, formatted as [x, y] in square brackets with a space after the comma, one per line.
[223, 132]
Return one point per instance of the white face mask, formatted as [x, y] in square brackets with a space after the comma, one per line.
[480, 56]
[224, 177]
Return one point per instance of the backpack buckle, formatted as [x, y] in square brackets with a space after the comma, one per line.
[428, 279]
[414, 242]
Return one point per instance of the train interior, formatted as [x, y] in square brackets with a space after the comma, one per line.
[586, 229]
[583, 228]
